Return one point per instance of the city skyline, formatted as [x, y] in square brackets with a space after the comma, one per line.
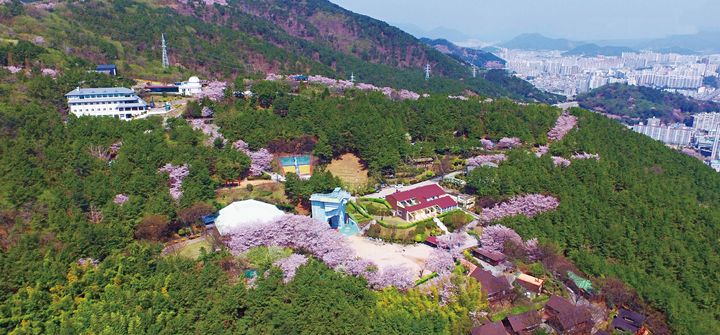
[587, 20]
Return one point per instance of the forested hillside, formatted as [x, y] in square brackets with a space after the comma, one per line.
[225, 41]
[85, 203]
[643, 213]
[477, 57]
[637, 103]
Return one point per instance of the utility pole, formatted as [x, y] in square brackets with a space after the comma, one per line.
[352, 77]
[165, 60]
[427, 71]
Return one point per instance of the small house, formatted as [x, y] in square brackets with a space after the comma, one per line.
[490, 257]
[525, 323]
[530, 283]
[190, 87]
[494, 328]
[109, 69]
[566, 317]
[629, 321]
[496, 288]
[465, 201]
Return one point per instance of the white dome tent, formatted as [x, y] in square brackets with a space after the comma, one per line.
[243, 213]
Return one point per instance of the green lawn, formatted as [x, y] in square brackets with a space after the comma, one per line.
[192, 250]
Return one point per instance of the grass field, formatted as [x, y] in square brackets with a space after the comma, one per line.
[191, 249]
[269, 192]
[350, 170]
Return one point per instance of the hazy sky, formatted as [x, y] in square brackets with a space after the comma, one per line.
[575, 19]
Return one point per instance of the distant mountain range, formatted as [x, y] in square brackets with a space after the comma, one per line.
[538, 42]
[704, 42]
[477, 57]
[592, 49]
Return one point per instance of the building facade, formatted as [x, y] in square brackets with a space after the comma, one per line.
[190, 87]
[675, 134]
[421, 203]
[706, 121]
[330, 207]
[118, 102]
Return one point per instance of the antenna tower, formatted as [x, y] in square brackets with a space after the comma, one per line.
[165, 60]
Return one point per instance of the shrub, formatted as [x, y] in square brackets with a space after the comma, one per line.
[152, 227]
[193, 213]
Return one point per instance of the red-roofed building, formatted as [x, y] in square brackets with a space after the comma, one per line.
[495, 328]
[421, 203]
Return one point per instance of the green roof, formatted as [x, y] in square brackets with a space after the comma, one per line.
[581, 282]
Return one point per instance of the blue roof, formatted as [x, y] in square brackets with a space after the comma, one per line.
[102, 67]
[337, 195]
[210, 218]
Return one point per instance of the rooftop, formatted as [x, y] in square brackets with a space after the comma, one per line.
[530, 279]
[628, 320]
[442, 202]
[524, 321]
[336, 196]
[495, 328]
[99, 90]
[569, 315]
[494, 256]
[245, 213]
[489, 283]
[427, 191]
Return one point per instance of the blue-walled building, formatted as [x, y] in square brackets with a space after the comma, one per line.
[330, 208]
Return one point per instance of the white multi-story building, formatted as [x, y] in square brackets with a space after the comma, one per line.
[676, 134]
[706, 121]
[118, 102]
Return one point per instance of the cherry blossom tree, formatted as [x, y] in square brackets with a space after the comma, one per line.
[532, 248]
[214, 90]
[585, 155]
[495, 237]
[49, 72]
[398, 276]
[561, 161]
[484, 159]
[261, 160]
[563, 125]
[528, 205]
[176, 175]
[290, 264]
[13, 69]
[211, 130]
[274, 77]
[120, 199]
[440, 261]
[509, 143]
[542, 150]
[452, 241]
[458, 97]
[487, 144]
[304, 234]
